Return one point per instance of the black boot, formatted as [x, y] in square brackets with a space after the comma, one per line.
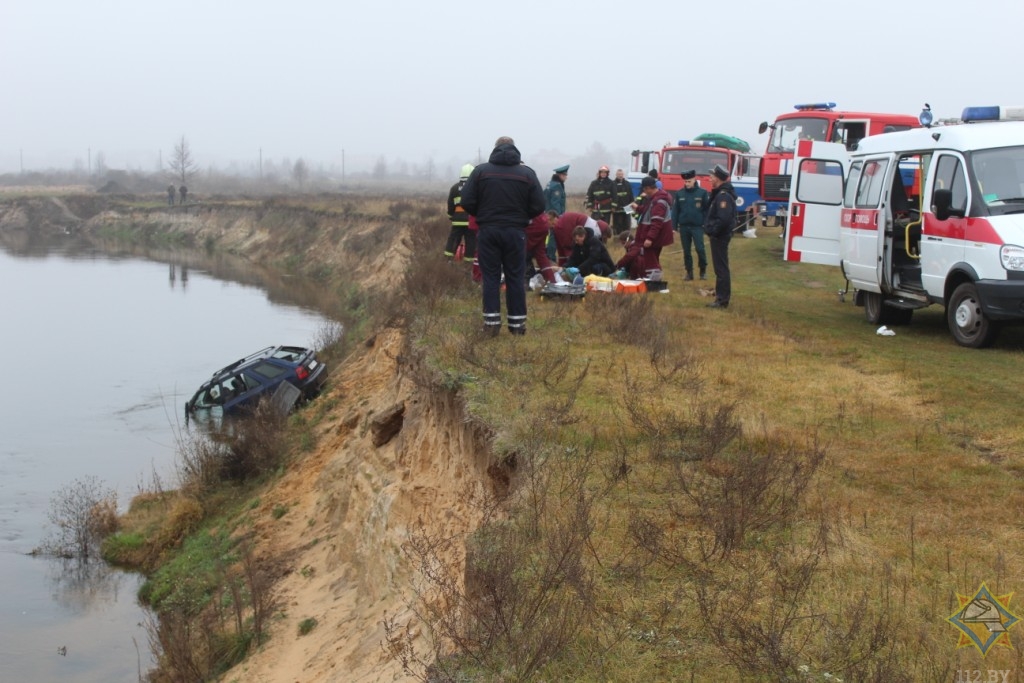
[689, 275]
[703, 274]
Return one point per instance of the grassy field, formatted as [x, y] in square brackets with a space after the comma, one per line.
[772, 492]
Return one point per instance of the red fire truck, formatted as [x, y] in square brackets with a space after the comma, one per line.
[816, 121]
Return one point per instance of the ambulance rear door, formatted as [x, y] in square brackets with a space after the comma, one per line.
[816, 203]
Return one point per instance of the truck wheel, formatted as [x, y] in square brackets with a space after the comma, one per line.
[877, 313]
[968, 324]
[873, 308]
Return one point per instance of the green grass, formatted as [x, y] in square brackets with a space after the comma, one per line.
[914, 428]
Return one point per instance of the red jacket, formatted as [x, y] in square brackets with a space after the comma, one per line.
[656, 220]
[567, 222]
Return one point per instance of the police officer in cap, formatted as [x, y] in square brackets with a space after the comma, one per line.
[691, 203]
[719, 224]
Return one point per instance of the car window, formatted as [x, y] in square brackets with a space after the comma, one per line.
[268, 370]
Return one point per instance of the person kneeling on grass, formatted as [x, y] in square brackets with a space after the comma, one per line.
[589, 254]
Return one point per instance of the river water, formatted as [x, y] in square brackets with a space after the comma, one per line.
[101, 351]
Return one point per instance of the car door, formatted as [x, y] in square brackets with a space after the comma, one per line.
[943, 242]
[816, 203]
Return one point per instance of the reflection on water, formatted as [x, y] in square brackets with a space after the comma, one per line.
[102, 350]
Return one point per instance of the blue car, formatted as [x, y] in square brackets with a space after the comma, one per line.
[264, 373]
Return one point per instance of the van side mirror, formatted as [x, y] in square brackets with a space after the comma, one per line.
[762, 128]
[942, 205]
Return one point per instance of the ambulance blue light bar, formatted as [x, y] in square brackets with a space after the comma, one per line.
[697, 143]
[974, 114]
[815, 106]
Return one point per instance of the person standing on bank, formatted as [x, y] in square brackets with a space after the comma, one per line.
[503, 194]
[688, 219]
[170, 194]
[653, 232]
[183, 193]
[719, 224]
[460, 220]
[599, 196]
[622, 197]
[554, 200]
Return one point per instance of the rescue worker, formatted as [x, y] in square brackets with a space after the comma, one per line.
[554, 194]
[170, 194]
[460, 219]
[599, 196]
[563, 226]
[653, 232]
[536, 240]
[719, 224]
[589, 254]
[554, 200]
[503, 194]
[688, 218]
[622, 197]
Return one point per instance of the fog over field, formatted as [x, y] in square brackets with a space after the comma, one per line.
[432, 84]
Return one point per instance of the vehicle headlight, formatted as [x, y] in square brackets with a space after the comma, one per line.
[1012, 257]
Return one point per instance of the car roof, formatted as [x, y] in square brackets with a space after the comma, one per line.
[268, 353]
[962, 137]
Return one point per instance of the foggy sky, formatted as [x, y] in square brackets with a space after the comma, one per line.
[441, 80]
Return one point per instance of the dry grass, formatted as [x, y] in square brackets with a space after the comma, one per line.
[887, 480]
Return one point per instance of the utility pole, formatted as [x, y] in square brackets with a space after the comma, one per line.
[88, 157]
[21, 160]
[261, 164]
[342, 165]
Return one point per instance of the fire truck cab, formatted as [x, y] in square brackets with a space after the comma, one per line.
[926, 216]
[820, 122]
[701, 154]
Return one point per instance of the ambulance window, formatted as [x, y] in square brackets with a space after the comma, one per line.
[821, 182]
[852, 183]
[949, 175]
[872, 182]
[999, 173]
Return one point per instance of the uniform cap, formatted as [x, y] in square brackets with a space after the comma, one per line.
[562, 169]
[603, 168]
[466, 170]
[689, 175]
[719, 172]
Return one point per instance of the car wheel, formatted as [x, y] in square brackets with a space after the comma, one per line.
[968, 324]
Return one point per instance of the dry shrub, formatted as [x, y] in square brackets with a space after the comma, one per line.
[82, 513]
[256, 445]
[184, 516]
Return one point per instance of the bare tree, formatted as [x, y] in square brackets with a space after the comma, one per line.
[300, 172]
[380, 169]
[181, 164]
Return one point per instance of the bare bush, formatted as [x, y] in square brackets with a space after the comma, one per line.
[82, 513]
[527, 590]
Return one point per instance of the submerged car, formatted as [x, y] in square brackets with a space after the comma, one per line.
[285, 374]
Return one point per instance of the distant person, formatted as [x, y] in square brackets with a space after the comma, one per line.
[170, 194]
[719, 224]
[460, 231]
[554, 200]
[654, 174]
[599, 196]
[554, 193]
[688, 219]
[622, 197]
[503, 195]
[183, 193]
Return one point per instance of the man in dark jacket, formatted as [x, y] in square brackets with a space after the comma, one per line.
[503, 195]
[719, 224]
[588, 254]
[622, 197]
[688, 218]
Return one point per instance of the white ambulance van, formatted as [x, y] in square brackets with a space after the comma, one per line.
[927, 216]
